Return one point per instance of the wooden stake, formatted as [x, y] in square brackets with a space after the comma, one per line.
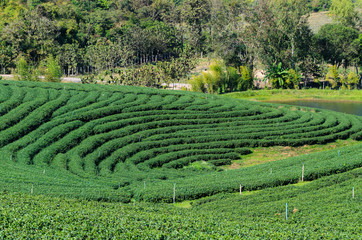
[240, 189]
[303, 173]
[286, 211]
[144, 185]
[32, 187]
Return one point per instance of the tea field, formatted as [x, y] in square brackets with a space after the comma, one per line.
[323, 208]
[99, 161]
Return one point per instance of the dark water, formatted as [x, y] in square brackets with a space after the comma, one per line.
[345, 107]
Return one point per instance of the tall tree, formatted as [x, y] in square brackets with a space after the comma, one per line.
[226, 36]
[279, 31]
[196, 13]
[337, 44]
[32, 35]
[344, 11]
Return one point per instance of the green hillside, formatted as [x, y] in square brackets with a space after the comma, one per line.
[320, 209]
[96, 161]
[118, 143]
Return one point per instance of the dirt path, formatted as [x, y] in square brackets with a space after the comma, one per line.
[64, 79]
[172, 86]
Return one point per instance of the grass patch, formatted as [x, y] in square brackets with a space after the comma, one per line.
[268, 154]
[291, 95]
[200, 165]
[318, 19]
[248, 193]
[184, 204]
[300, 184]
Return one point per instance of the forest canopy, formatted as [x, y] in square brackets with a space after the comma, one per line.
[97, 35]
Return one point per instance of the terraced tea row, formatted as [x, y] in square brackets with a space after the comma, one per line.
[324, 207]
[123, 135]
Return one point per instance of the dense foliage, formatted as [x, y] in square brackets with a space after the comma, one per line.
[322, 208]
[118, 143]
[221, 79]
[94, 36]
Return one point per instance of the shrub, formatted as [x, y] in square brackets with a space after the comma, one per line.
[233, 78]
[218, 76]
[53, 72]
[246, 81]
[293, 79]
[22, 69]
[197, 84]
[333, 76]
[276, 75]
[210, 81]
[25, 72]
[352, 80]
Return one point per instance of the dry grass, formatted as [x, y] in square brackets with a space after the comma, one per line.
[318, 19]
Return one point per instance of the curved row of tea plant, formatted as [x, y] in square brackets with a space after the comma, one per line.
[271, 174]
[120, 137]
[320, 209]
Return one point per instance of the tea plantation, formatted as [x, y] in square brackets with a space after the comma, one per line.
[322, 209]
[130, 145]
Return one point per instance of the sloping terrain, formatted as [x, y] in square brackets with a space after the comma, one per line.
[119, 143]
[324, 208]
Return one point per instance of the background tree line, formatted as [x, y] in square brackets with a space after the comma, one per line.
[96, 35]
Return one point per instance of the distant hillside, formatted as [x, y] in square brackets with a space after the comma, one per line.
[318, 19]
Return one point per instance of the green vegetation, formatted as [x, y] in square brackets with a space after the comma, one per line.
[349, 81]
[280, 78]
[319, 5]
[149, 75]
[53, 72]
[123, 151]
[339, 44]
[324, 207]
[220, 79]
[118, 143]
[90, 161]
[153, 43]
[345, 11]
[24, 72]
[268, 154]
[290, 95]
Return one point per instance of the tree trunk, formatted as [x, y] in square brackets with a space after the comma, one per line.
[356, 66]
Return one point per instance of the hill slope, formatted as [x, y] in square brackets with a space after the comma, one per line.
[322, 208]
[118, 143]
